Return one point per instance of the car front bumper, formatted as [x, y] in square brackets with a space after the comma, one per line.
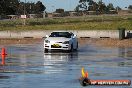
[57, 46]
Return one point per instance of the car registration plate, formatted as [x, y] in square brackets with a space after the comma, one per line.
[56, 45]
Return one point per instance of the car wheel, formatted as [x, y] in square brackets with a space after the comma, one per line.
[45, 50]
[71, 48]
[76, 46]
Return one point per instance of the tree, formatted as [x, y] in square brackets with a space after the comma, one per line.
[39, 7]
[8, 7]
[59, 11]
[30, 7]
[1, 8]
[93, 6]
[100, 6]
[118, 8]
[130, 7]
[15, 7]
[110, 6]
[83, 4]
[77, 8]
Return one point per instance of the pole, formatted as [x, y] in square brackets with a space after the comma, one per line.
[44, 14]
[52, 10]
[102, 11]
[24, 19]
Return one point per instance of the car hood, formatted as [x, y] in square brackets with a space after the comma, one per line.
[58, 39]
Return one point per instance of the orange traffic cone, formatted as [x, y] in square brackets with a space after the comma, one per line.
[3, 59]
[3, 51]
[3, 55]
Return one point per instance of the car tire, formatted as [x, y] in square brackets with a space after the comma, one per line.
[71, 48]
[45, 50]
[76, 47]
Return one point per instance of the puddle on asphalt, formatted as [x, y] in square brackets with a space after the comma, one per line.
[4, 77]
[28, 65]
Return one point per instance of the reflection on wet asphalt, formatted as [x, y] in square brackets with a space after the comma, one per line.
[27, 66]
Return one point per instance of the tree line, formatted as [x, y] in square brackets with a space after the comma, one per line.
[15, 7]
[100, 7]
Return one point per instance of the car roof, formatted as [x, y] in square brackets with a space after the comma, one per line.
[60, 31]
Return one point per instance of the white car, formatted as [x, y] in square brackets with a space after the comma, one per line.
[61, 41]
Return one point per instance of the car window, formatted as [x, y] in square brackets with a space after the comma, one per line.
[61, 34]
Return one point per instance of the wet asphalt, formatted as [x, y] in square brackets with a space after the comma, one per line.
[27, 66]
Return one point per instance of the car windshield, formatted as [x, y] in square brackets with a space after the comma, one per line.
[61, 34]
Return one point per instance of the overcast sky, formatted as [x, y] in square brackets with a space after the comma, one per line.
[52, 5]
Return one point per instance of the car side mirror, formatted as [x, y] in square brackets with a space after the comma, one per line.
[47, 36]
[74, 36]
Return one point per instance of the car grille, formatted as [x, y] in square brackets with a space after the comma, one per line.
[59, 42]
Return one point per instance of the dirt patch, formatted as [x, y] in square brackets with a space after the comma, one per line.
[7, 41]
[108, 42]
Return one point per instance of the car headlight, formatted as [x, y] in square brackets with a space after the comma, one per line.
[47, 41]
[66, 42]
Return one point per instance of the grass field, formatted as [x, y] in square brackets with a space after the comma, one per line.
[101, 22]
